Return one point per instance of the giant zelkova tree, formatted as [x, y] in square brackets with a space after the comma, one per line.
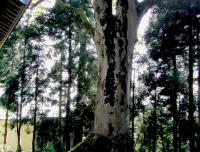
[115, 34]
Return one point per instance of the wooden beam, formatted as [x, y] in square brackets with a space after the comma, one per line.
[14, 4]
[6, 25]
[7, 18]
[2, 27]
[2, 31]
[17, 16]
[8, 10]
[9, 15]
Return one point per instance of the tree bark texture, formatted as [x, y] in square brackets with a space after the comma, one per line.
[115, 37]
[114, 66]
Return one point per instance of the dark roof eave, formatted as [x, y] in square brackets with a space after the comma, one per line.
[14, 22]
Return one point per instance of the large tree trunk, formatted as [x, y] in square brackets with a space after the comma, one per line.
[114, 45]
[115, 37]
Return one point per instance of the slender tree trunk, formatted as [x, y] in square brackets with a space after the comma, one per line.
[60, 102]
[17, 118]
[81, 71]
[7, 113]
[174, 104]
[20, 114]
[161, 129]
[35, 107]
[133, 115]
[190, 83]
[144, 134]
[155, 123]
[197, 52]
[20, 123]
[198, 133]
[20, 104]
[6, 128]
[69, 86]
[179, 128]
[78, 131]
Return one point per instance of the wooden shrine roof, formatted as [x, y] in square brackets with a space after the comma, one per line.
[10, 13]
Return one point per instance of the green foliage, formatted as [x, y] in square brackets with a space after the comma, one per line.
[48, 148]
[25, 79]
[81, 12]
[46, 132]
[165, 78]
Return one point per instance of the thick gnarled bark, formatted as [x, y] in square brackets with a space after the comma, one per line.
[115, 37]
[113, 64]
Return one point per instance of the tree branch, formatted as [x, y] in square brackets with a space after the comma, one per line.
[87, 24]
[143, 7]
[36, 4]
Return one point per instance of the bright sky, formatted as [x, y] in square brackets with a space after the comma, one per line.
[139, 47]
